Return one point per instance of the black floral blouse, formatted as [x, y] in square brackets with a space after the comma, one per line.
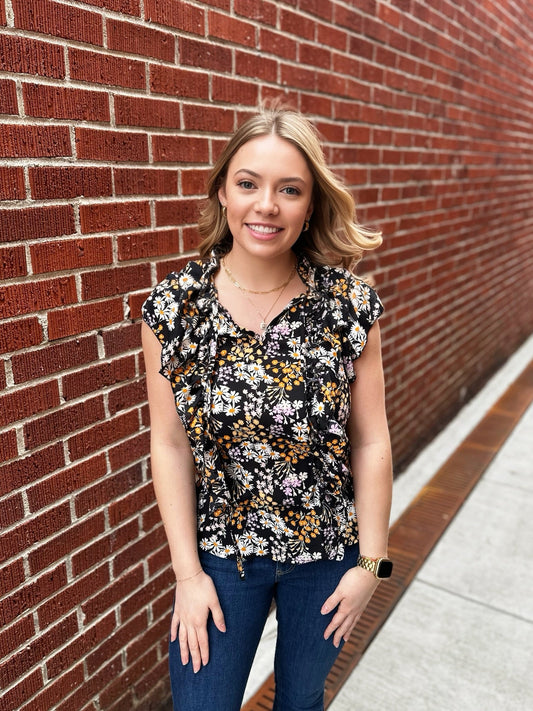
[266, 417]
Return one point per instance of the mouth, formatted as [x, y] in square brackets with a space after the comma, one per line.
[264, 231]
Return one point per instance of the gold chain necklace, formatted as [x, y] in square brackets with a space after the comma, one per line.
[263, 325]
[252, 291]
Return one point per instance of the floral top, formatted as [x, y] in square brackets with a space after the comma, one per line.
[266, 417]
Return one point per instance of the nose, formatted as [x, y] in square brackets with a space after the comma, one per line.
[266, 203]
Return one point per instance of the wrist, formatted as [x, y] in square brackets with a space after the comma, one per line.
[380, 567]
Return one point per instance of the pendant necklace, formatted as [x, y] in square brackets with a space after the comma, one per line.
[263, 325]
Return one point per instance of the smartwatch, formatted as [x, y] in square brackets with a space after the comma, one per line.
[380, 567]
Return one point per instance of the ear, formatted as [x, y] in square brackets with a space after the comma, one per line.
[222, 194]
[309, 211]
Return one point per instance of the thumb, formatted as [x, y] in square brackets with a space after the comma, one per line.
[331, 603]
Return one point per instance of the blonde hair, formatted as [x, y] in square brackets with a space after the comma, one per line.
[334, 236]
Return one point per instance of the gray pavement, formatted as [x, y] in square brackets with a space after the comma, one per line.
[461, 637]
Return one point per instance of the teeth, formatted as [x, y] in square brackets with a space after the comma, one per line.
[263, 228]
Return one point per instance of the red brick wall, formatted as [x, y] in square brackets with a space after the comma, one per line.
[113, 109]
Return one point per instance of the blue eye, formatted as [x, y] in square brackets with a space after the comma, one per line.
[246, 184]
[290, 190]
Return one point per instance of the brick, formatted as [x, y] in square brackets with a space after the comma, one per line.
[52, 18]
[13, 576]
[111, 595]
[256, 65]
[230, 28]
[36, 223]
[98, 284]
[131, 450]
[234, 91]
[138, 550]
[88, 317]
[102, 435]
[8, 97]
[137, 111]
[37, 529]
[116, 641]
[130, 7]
[19, 403]
[115, 689]
[121, 509]
[17, 141]
[106, 69]
[127, 396]
[101, 217]
[332, 36]
[11, 181]
[314, 56]
[64, 543]
[66, 481]
[259, 10]
[140, 39]
[67, 182]
[67, 419]
[28, 56]
[145, 181]
[40, 647]
[104, 547]
[31, 296]
[12, 262]
[178, 82]
[207, 118]
[71, 254]
[65, 103]
[277, 43]
[92, 687]
[121, 340]
[176, 212]
[56, 691]
[82, 645]
[194, 181]
[299, 77]
[174, 149]
[96, 144]
[16, 634]
[180, 15]
[11, 511]
[68, 597]
[143, 245]
[191, 239]
[95, 378]
[25, 689]
[22, 333]
[205, 55]
[296, 24]
[8, 445]
[54, 358]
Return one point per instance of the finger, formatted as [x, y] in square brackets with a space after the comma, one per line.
[203, 645]
[343, 631]
[184, 645]
[331, 603]
[334, 624]
[194, 651]
[218, 616]
[174, 624]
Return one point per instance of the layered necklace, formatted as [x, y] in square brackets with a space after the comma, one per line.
[244, 291]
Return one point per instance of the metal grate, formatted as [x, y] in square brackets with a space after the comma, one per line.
[419, 528]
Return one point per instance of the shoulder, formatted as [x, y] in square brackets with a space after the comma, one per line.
[349, 291]
[176, 288]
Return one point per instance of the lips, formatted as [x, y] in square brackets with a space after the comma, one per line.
[263, 230]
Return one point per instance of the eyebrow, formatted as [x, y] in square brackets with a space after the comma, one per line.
[290, 179]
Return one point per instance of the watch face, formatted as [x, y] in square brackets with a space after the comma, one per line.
[384, 568]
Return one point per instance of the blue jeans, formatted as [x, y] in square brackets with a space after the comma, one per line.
[303, 657]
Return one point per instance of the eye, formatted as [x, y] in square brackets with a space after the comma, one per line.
[290, 190]
[246, 184]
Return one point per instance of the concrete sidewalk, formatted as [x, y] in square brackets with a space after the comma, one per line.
[461, 637]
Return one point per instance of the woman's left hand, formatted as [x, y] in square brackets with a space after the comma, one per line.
[351, 596]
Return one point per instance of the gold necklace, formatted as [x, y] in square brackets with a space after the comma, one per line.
[263, 325]
[252, 291]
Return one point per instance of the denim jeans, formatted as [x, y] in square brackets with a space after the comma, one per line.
[303, 657]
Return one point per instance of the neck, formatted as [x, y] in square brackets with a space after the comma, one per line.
[260, 273]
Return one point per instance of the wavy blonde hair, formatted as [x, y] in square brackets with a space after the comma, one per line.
[334, 236]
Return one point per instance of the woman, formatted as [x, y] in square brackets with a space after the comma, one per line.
[268, 429]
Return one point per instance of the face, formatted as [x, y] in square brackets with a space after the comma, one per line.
[267, 194]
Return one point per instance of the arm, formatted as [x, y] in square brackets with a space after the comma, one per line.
[371, 464]
[173, 474]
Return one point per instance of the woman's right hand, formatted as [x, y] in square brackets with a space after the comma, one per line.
[195, 598]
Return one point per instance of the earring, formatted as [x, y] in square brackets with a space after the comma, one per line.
[306, 226]
[223, 210]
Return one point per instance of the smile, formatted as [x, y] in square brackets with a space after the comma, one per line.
[264, 229]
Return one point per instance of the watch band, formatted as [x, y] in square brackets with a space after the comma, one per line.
[379, 567]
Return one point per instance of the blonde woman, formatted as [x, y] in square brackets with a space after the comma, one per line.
[270, 449]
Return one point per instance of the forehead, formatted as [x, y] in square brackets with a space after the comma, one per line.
[270, 154]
